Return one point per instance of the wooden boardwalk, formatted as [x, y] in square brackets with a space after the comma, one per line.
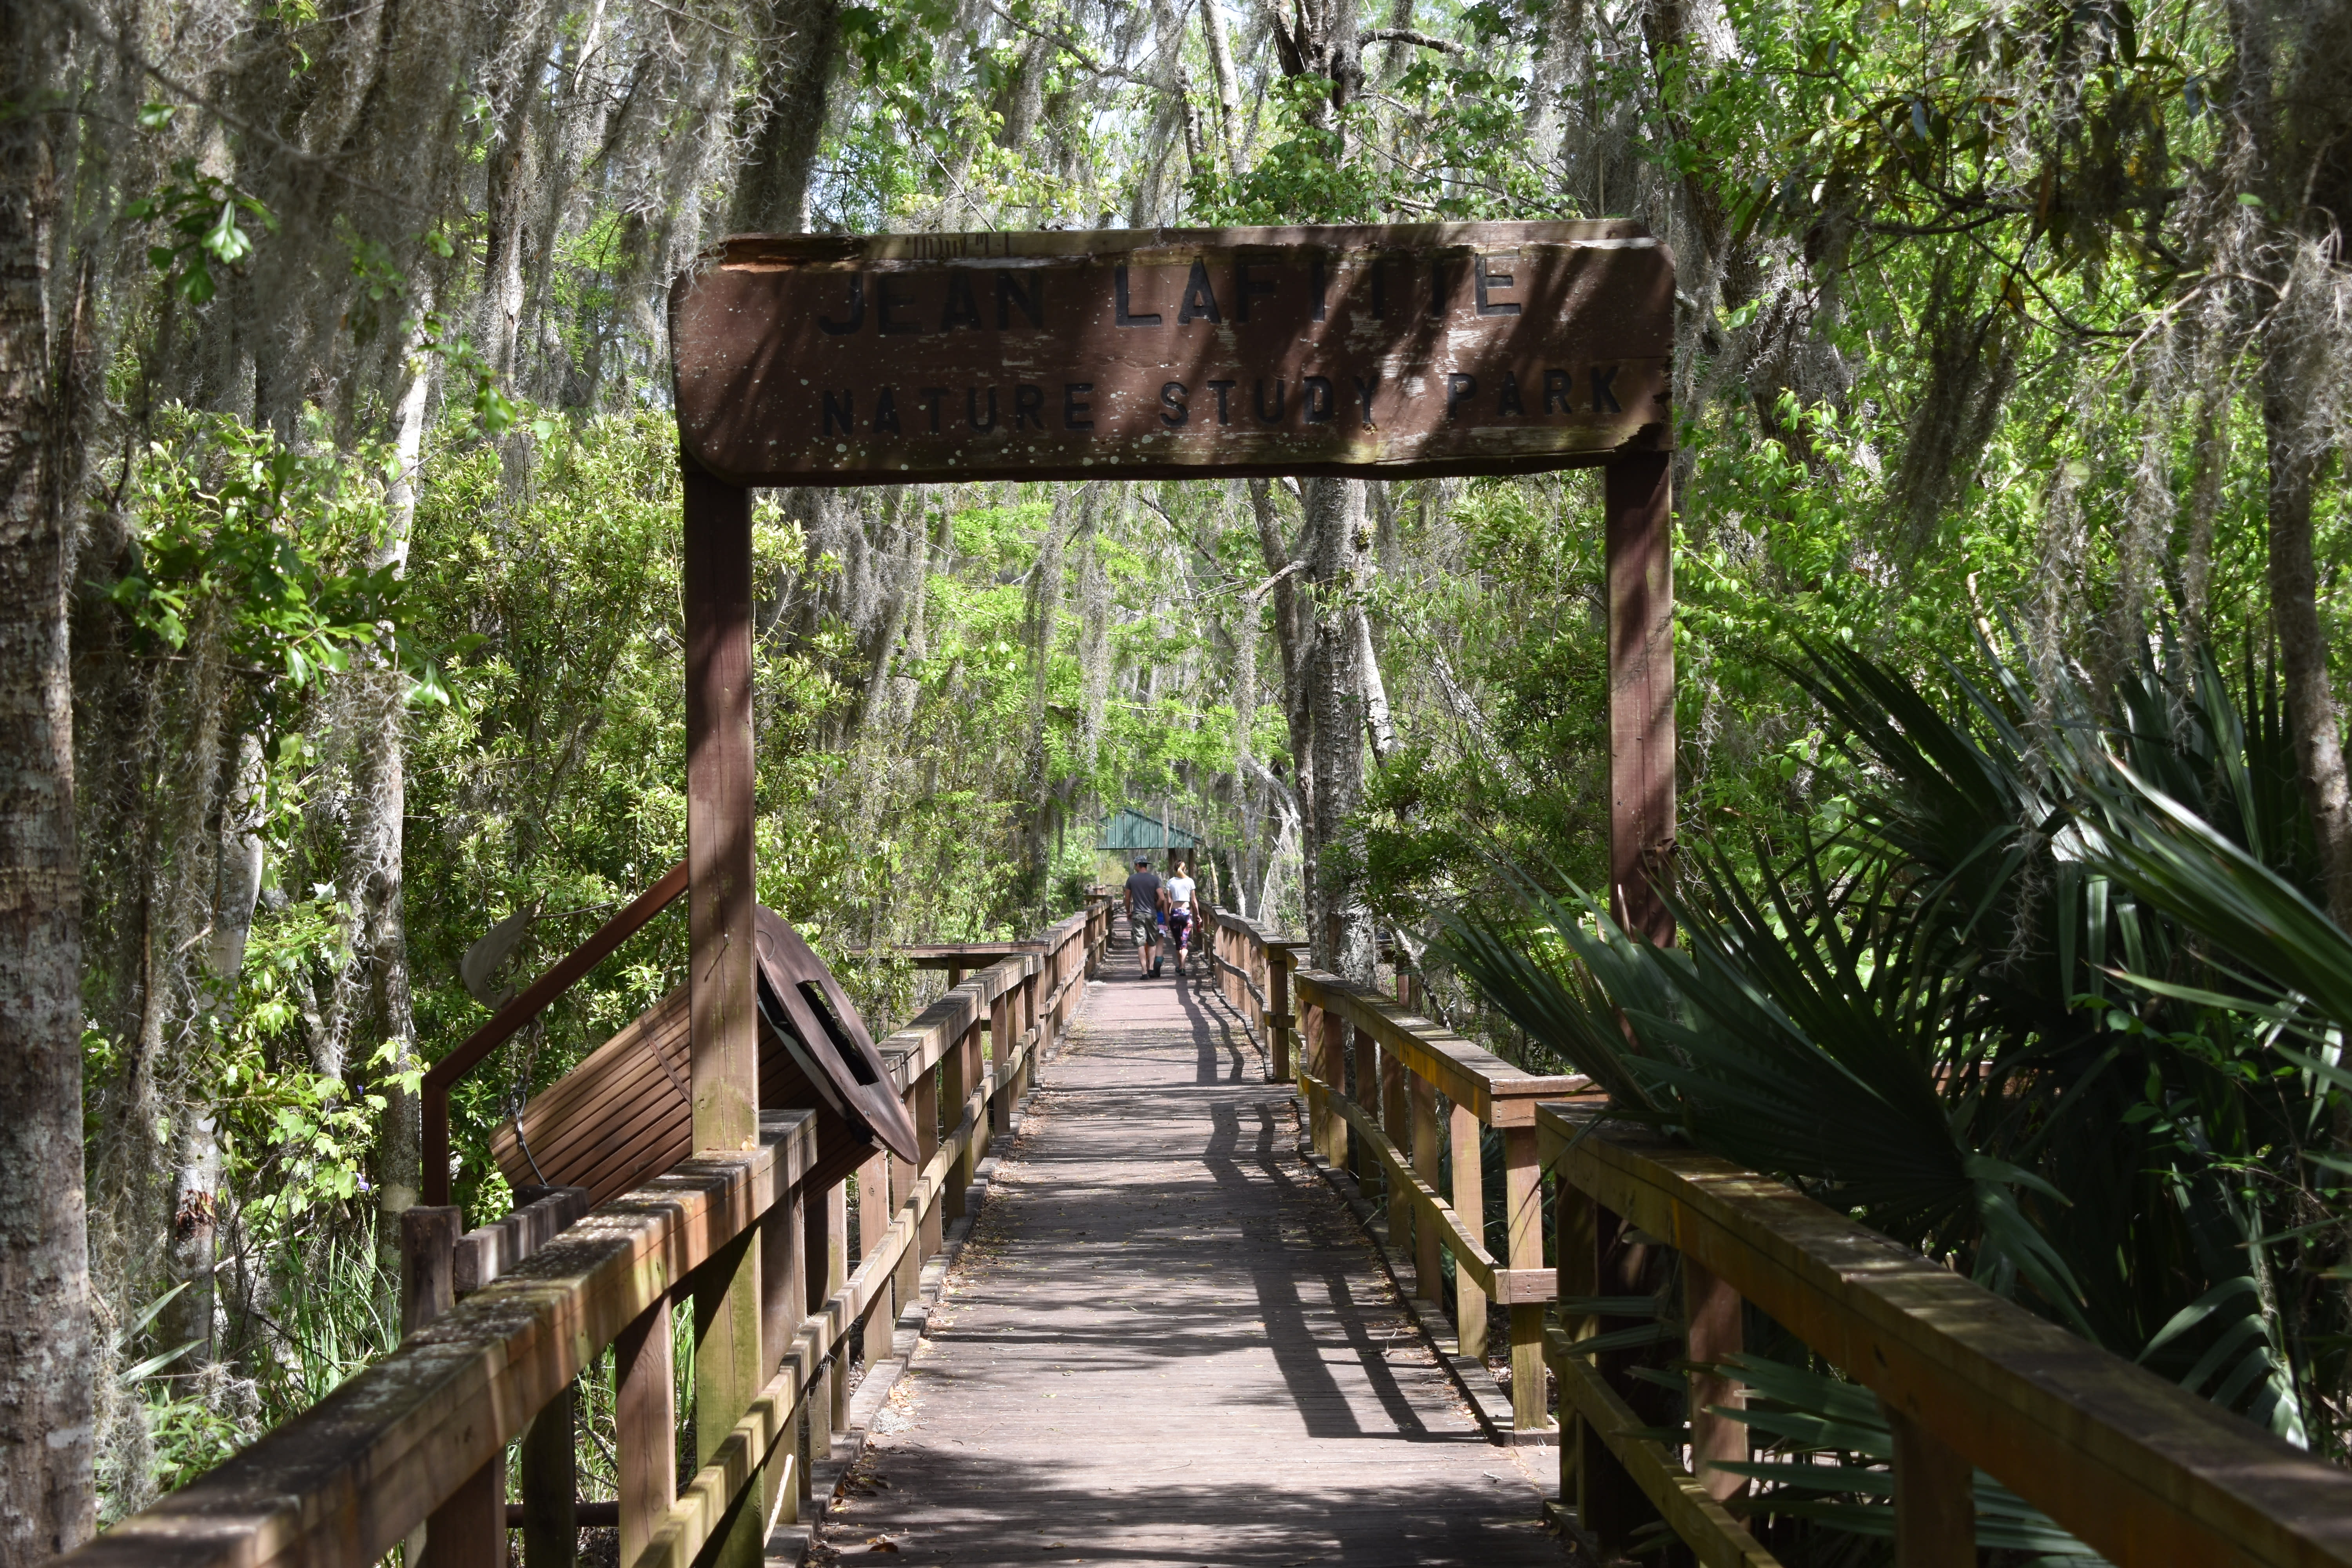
[1167, 1342]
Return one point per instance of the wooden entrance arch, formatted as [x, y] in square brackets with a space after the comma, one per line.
[1386, 351]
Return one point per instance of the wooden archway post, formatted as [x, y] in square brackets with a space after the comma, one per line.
[1639, 568]
[1416, 350]
[728, 1365]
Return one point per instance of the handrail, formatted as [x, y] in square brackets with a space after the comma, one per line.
[420, 1436]
[1388, 1135]
[347, 1479]
[433, 1093]
[2137, 1468]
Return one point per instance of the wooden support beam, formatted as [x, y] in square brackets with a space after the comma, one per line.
[718, 825]
[1639, 565]
[783, 1294]
[906, 1278]
[1934, 1498]
[720, 898]
[1713, 1332]
[644, 1426]
[816, 1409]
[550, 1487]
[729, 1370]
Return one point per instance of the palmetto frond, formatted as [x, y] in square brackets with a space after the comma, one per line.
[2055, 1003]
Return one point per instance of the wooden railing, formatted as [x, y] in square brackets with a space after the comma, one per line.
[1253, 970]
[418, 1439]
[1373, 1073]
[2139, 1470]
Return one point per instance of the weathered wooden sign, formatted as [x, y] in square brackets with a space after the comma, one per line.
[1393, 351]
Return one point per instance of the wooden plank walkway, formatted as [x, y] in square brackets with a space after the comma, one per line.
[1167, 1342]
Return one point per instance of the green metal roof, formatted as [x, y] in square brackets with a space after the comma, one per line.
[1132, 832]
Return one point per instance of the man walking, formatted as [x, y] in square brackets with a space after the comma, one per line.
[1147, 895]
[1180, 911]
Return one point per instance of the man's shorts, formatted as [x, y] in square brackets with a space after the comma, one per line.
[1144, 927]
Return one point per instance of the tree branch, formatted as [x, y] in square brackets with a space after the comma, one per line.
[1407, 36]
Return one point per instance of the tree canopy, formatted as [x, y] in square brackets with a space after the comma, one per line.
[2011, 348]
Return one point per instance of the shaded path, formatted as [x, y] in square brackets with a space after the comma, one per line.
[1167, 1342]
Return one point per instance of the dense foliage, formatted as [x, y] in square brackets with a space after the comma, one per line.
[2000, 327]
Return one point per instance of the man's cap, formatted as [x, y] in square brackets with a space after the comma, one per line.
[1143, 859]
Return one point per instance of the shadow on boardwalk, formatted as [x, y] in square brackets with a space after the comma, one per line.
[1168, 1344]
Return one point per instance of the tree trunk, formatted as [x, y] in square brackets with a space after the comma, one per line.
[1229, 95]
[1292, 636]
[796, 62]
[399, 1172]
[2310, 694]
[1340, 925]
[195, 1200]
[48, 1492]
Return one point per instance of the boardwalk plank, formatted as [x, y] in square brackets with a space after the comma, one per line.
[1169, 1344]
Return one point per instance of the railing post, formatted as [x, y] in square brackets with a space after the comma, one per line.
[1615, 1507]
[1713, 1332]
[1934, 1498]
[1396, 1122]
[817, 1402]
[1330, 1034]
[1428, 1271]
[1002, 1034]
[1468, 1198]
[784, 1287]
[727, 1370]
[1277, 1049]
[926, 1109]
[1024, 1021]
[469, 1529]
[907, 1278]
[836, 1274]
[428, 1257]
[1362, 1164]
[644, 1426]
[1577, 1279]
[873, 1225]
[1277, 994]
[1523, 1243]
[551, 1486]
[955, 1087]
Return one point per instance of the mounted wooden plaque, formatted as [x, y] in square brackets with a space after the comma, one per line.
[1173, 354]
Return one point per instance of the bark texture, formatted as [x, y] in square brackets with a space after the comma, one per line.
[48, 1498]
